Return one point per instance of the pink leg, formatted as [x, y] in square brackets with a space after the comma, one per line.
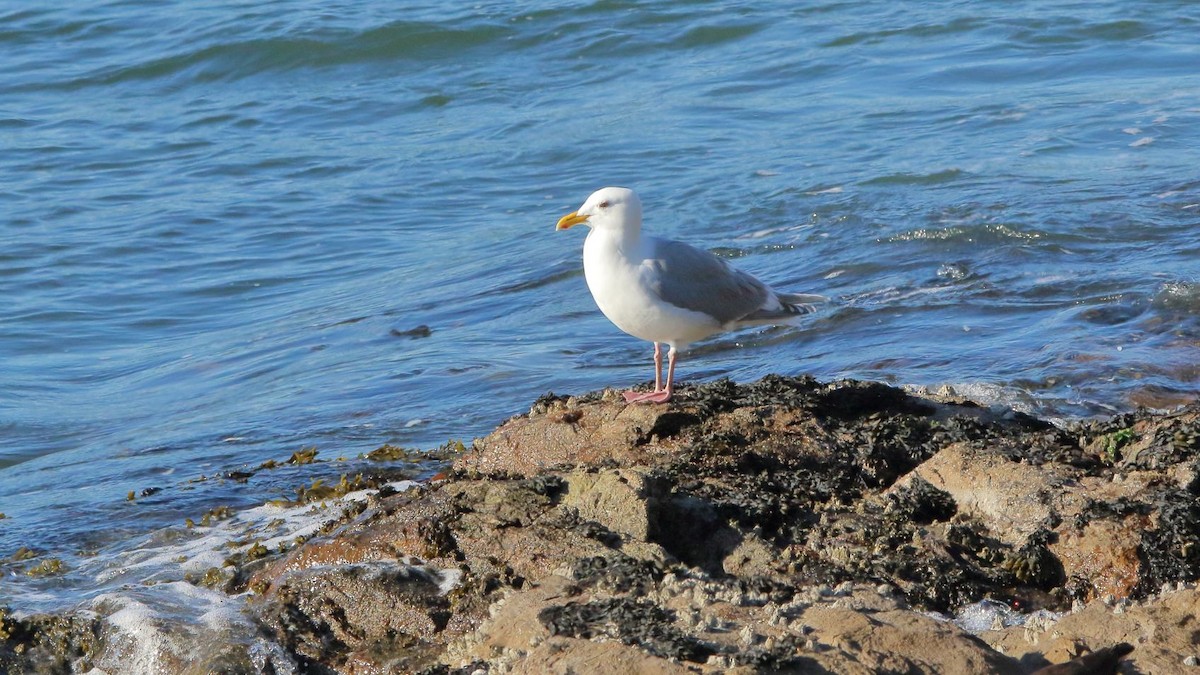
[659, 395]
[657, 366]
[670, 372]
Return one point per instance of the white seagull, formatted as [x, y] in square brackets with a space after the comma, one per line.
[666, 291]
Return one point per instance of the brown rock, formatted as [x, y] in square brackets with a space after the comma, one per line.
[567, 656]
[753, 557]
[1101, 662]
[1164, 631]
[901, 641]
[324, 614]
[1013, 499]
[516, 637]
[1105, 553]
[567, 434]
[625, 501]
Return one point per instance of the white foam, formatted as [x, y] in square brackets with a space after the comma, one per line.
[171, 554]
[449, 579]
[988, 615]
[363, 495]
[157, 620]
[155, 629]
[139, 645]
[999, 398]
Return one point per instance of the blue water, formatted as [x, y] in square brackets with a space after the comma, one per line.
[221, 220]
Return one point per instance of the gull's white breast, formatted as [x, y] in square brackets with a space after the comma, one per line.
[622, 284]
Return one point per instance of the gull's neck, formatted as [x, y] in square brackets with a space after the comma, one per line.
[628, 240]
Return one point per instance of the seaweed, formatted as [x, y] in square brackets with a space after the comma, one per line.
[632, 622]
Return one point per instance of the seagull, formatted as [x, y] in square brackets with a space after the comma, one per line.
[666, 291]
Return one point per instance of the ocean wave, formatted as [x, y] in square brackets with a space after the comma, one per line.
[935, 178]
[709, 35]
[1065, 31]
[235, 60]
[923, 30]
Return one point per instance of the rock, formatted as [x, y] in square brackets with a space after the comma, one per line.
[900, 641]
[1163, 628]
[331, 615]
[1105, 553]
[1009, 498]
[654, 537]
[625, 501]
[1101, 662]
[786, 525]
[560, 433]
[753, 557]
[517, 638]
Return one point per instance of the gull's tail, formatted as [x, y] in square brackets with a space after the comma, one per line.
[791, 306]
[797, 304]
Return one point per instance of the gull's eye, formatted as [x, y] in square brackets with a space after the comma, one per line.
[604, 204]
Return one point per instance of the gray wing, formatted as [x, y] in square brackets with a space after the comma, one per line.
[700, 281]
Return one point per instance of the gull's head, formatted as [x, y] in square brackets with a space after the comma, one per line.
[610, 208]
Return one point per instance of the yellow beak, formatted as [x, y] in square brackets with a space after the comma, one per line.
[570, 220]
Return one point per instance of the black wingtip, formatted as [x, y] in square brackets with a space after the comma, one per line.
[798, 309]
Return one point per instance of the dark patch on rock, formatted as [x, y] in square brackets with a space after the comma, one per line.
[569, 519]
[668, 425]
[980, 549]
[782, 657]
[758, 591]
[920, 502]
[1116, 509]
[1020, 438]
[851, 400]
[713, 397]
[1171, 552]
[690, 529]
[632, 622]
[889, 447]
[443, 669]
[1035, 564]
[548, 400]
[617, 573]
[515, 503]
[430, 538]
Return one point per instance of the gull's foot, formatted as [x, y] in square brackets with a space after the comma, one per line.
[647, 397]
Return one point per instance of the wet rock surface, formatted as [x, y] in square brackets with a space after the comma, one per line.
[784, 526]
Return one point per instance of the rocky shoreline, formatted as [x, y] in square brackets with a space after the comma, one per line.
[783, 526]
